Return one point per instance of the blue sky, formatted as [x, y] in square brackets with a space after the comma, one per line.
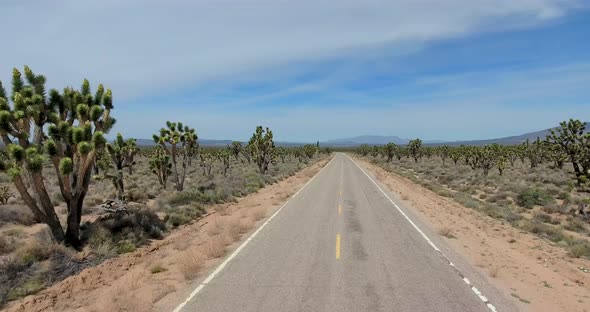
[316, 70]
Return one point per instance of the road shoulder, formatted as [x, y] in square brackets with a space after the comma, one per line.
[533, 273]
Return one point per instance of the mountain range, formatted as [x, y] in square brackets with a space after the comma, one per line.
[381, 140]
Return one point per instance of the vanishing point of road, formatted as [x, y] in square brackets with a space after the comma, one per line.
[344, 243]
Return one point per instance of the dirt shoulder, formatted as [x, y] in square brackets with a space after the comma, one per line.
[159, 276]
[536, 273]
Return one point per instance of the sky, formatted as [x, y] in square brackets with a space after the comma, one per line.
[314, 69]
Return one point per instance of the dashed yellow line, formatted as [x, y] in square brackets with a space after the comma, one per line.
[337, 246]
[339, 209]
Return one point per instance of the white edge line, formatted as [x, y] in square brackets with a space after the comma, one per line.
[473, 288]
[242, 246]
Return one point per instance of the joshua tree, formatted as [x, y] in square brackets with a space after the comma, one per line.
[363, 149]
[225, 161]
[178, 140]
[309, 150]
[390, 150]
[415, 147]
[444, 152]
[572, 140]
[121, 153]
[160, 165]
[281, 152]
[236, 149]
[263, 148]
[206, 163]
[68, 129]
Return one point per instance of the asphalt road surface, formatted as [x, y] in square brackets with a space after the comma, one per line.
[341, 244]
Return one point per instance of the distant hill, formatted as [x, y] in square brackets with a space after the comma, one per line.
[511, 140]
[371, 140]
[382, 140]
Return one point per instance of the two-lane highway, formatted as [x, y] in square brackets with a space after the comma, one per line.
[339, 245]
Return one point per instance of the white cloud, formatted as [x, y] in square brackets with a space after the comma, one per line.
[138, 47]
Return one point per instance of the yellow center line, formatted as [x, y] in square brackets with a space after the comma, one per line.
[337, 246]
[340, 209]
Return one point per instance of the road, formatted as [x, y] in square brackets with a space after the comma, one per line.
[341, 244]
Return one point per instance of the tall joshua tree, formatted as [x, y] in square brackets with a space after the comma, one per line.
[178, 141]
[122, 154]
[68, 129]
[415, 148]
[160, 165]
[263, 148]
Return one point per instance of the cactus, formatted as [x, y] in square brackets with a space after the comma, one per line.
[178, 140]
[363, 149]
[160, 165]
[68, 129]
[282, 153]
[122, 154]
[5, 194]
[444, 152]
[390, 150]
[225, 161]
[415, 148]
[206, 163]
[236, 149]
[572, 140]
[262, 148]
[309, 150]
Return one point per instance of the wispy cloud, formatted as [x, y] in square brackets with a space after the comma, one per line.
[139, 47]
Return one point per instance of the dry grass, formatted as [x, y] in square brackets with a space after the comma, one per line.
[161, 291]
[446, 232]
[191, 262]
[215, 229]
[494, 271]
[259, 213]
[214, 248]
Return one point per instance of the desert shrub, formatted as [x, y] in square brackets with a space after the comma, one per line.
[466, 201]
[579, 249]
[497, 197]
[544, 218]
[554, 208]
[6, 245]
[576, 225]
[177, 216]
[191, 197]
[531, 197]
[123, 230]
[125, 247]
[543, 230]
[17, 214]
[33, 251]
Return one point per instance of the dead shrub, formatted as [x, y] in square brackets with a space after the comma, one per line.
[214, 248]
[191, 262]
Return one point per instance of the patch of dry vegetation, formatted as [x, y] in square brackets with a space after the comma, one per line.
[542, 200]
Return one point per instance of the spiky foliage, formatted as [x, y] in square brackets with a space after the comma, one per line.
[178, 141]
[389, 150]
[160, 165]
[5, 194]
[206, 163]
[68, 129]
[224, 156]
[262, 147]
[122, 154]
[534, 151]
[363, 149]
[282, 153]
[309, 150]
[572, 140]
[415, 148]
[236, 149]
[444, 152]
